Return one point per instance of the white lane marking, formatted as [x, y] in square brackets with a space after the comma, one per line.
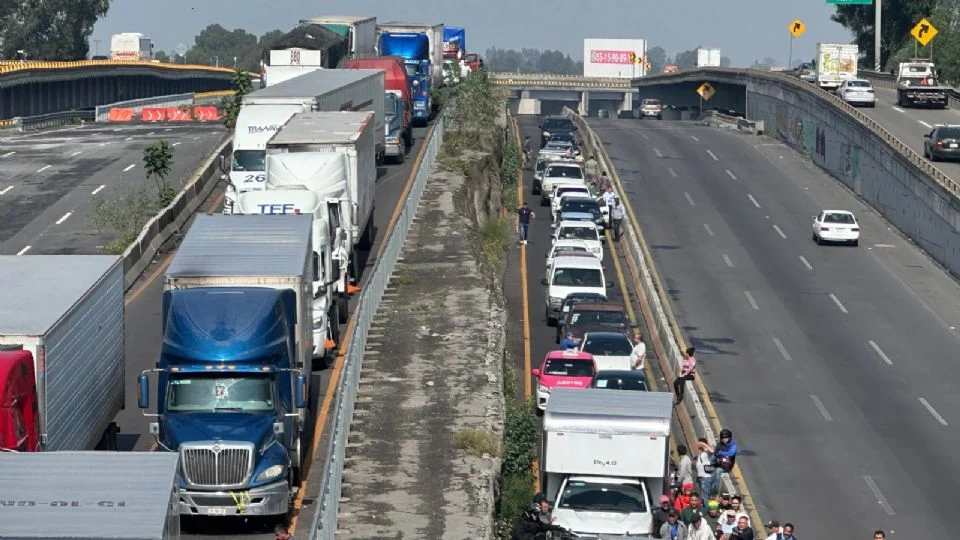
[823, 410]
[806, 263]
[129, 139]
[753, 200]
[77, 153]
[673, 173]
[877, 493]
[657, 152]
[45, 167]
[198, 138]
[837, 302]
[99, 189]
[5, 190]
[884, 245]
[715, 158]
[876, 349]
[24, 250]
[151, 133]
[64, 218]
[694, 138]
[129, 167]
[932, 411]
[728, 261]
[731, 175]
[176, 143]
[925, 124]
[709, 230]
[169, 129]
[898, 109]
[8, 154]
[779, 232]
[689, 198]
[783, 350]
[753, 303]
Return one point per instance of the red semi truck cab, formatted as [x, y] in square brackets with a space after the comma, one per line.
[19, 408]
[395, 80]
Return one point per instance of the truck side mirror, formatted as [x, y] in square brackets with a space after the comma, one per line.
[143, 391]
[316, 266]
[535, 372]
[300, 394]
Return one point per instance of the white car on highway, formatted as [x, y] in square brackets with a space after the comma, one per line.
[857, 92]
[610, 350]
[561, 172]
[836, 226]
[580, 230]
[566, 190]
[562, 248]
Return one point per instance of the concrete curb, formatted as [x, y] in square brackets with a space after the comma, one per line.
[164, 225]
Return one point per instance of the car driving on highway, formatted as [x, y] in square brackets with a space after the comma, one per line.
[580, 230]
[651, 108]
[857, 92]
[563, 369]
[942, 143]
[836, 226]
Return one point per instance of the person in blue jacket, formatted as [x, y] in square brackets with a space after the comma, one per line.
[568, 342]
[724, 455]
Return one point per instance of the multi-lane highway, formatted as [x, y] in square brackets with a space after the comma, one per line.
[143, 327]
[833, 365]
[48, 179]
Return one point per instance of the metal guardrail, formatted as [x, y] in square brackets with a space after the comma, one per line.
[42, 121]
[328, 501]
[556, 80]
[103, 111]
[12, 67]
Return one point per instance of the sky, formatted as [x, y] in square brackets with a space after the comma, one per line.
[744, 30]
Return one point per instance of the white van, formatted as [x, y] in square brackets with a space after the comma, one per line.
[572, 274]
[565, 247]
[580, 230]
[561, 172]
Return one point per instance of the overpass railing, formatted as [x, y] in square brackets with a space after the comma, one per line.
[15, 67]
[557, 80]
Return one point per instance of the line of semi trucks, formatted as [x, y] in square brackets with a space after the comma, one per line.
[252, 305]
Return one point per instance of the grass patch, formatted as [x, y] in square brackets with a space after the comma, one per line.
[122, 213]
[494, 240]
[401, 278]
[477, 442]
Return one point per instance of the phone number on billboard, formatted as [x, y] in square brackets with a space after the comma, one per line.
[610, 57]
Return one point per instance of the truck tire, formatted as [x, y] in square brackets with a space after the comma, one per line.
[343, 308]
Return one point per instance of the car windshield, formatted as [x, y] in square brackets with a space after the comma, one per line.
[651, 102]
[839, 218]
[613, 382]
[562, 367]
[580, 205]
[560, 250]
[596, 497]
[597, 318]
[249, 160]
[858, 84]
[578, 277]
[577, 189]
[948, 133]
[579, 233]
[220, 392]
[564, 171]
[615, 345]
[558, 124]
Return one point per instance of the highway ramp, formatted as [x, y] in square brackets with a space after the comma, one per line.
[832, 365]
[143, 329]
[49, 177]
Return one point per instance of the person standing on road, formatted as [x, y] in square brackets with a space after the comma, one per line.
[774, 532]
[742, 530]
[673, 529]
[639, 352]
[617, 213]
[526, 150]
[603, 182]
[685, 472]
[705, 468]
[590, 169]
[568, 342]
[524, 215]
[660, 516]
[688, 372]
[788, 532]
[699, 529]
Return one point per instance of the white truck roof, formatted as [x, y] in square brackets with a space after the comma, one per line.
[40, 289]
[243, 246]
[322, 127]
[567, 261]
[593, 410]
[323, 173]
[99, 482]
[310, 85]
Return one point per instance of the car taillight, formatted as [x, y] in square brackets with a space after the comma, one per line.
[939, 144]
[824, 228]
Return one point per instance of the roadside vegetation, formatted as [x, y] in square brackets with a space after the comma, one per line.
[520, 439]
[241, 86]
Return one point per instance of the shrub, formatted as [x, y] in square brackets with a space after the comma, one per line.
[122, 213]
[477, 442]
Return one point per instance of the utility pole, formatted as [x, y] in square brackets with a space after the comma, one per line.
[878, 10]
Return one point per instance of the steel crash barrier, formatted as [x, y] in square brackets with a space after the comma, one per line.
[556, 80]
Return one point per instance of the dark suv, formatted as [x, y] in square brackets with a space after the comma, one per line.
[599, 317]
[555, 125]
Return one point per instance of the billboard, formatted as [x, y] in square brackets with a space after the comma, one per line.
[617, 58]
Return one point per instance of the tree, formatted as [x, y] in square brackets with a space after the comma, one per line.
[944, 49]
[157, 160]
[217, 45]
[161, 56]
[49, 29]
[724, 61]
[657, 57]
[899, 17]
[241, 85]
[686, 59]
[532, 61]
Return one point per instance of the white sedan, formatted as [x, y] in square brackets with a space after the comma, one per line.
[857, 92]
[610, 350]
[836, 226]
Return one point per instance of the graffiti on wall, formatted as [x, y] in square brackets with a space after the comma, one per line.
[818, 141]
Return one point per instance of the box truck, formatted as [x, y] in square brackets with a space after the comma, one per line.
[835, 64]
[708, 57]
[286, 64]
[90, 496]
[398, 105]
[605, 457]
[434, 35]
[131, 46]
[361, 32]
[235, 363]
[61, 352]
[263, 111]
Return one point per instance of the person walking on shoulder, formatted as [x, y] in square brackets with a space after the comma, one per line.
[524, 215]
[617, 214]
[687, 373]
[639, 352]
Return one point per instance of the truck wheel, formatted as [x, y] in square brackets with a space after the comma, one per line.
[343, 308]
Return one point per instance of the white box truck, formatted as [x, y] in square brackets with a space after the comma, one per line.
[835, 64]
[90, 496]
[286, 64]
[263, 111]
[131, 46]
[604, 460]
[67, 312]
[708, 57]
[360, 31]
[434, 33]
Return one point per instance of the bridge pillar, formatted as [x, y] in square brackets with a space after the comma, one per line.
[524, 94]
[627, 104]
[584, 103]
[528, 106]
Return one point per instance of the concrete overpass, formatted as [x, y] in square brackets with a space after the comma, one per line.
[547, 93]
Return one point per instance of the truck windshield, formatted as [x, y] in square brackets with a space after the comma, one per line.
[413, 69]
[596, 497]
[220, 392]
[249, 160]
[578, 277]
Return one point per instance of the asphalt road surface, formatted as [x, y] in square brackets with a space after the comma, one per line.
[48, 178]
[833, 365]
[143, 327]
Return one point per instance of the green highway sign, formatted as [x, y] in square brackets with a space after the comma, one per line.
[849, 2]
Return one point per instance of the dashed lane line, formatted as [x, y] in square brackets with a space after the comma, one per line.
[933, 412]
[727, 260]
[753, 303]
[753, 200]
[689, 198]
[99, 189]
[24, 250]
[64, 218]
[880, 353]
[839, 304]
[708, 229]
[45, 167]
[130, 167]
[780, 232]
[821, 408]
[783, 350]
[806, 262]
[715, 158]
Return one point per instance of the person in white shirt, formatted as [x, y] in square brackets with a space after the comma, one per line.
[685, 469]
[639, 352]
[774, 530]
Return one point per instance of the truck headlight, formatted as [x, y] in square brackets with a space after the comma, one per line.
[543, 389]
[270, 473]
[595, 250]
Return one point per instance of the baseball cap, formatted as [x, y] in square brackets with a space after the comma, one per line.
[695, 516]
[772, 524]
[664, 499]
[713, 505]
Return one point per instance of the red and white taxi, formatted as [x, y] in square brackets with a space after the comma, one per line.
[563, 369]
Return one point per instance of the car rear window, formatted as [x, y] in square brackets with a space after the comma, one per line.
[558, 124]
[608, 345]
[621, 383]
[949, 133]
[839, 218]
[859, 84]
[597, 318]
[569, 368]
[651, 102]
[586, 232]
[564, 172]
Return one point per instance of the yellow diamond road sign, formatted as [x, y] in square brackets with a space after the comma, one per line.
[706, 91]
[797, 28]
[923, 32]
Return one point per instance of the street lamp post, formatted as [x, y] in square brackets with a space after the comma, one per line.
[878, 10]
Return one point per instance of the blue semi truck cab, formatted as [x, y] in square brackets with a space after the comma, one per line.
[415, 51]
[235, 361]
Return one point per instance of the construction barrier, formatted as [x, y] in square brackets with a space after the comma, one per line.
[176, 114]
[181, 114]
[206, 114]
[153, 114]
[120, 115]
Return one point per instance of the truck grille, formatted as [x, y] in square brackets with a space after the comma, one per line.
[219, 465]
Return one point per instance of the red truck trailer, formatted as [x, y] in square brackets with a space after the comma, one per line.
[400, 134]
